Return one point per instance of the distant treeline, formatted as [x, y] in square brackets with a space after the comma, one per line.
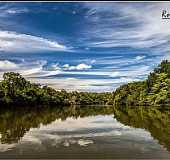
[16, 90]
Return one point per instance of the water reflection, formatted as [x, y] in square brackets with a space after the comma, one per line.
[155, 120]
[15, 123]
[96, 128]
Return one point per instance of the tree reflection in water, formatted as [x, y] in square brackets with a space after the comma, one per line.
[15, 123]
[155, 120]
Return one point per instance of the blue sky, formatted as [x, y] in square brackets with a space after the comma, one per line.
[83, 46]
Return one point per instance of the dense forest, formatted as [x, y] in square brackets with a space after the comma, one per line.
[16, 90]
[155, 90]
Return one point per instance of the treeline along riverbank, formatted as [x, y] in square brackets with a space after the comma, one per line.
[155, 90]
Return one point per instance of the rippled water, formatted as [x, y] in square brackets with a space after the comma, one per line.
[88, 136]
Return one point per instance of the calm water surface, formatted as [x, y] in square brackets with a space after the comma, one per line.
[85, 132]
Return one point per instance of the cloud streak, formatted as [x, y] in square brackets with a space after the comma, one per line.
[128, 25]
[7, 65]
[112, 43]
[23, 43]
[39, 72]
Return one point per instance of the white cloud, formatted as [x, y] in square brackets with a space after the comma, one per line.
[38, 72]
[27, 69]
[14, 42]
[31, 71]
[16, 10]
[135, 25]
[7, 65]
[81, 66]
[66, 65]
[9, 9]
[55, 67]
[139, 57]
[93, 61]
[131, 71]
[75, 84]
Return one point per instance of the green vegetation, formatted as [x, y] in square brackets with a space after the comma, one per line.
[28, 98]
[153, 91]
[15, 90]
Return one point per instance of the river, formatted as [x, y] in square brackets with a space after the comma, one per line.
[84, 132]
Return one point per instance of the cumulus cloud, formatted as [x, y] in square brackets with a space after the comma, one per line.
[15, 42]
[38, 72]
[81, 66]
[55, 67]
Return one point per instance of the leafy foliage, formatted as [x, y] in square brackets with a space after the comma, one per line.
[153, 91]
[15, 90]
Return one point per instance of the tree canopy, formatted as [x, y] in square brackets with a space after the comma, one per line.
[16, 90]
[153, 91]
